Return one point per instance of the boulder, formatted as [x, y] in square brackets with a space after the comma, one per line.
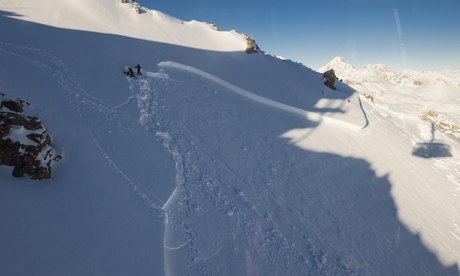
[42, 173]
[4, 130]
[35, 158]
[330, 78]
[29, 123]
[251, 46]
[15, 106]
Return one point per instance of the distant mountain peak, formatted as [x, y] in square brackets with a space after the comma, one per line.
[338, 60]
[338, 64]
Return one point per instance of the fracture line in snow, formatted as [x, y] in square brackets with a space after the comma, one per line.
[274, 104]
[205, 259]
[175, 247]
[364, 112]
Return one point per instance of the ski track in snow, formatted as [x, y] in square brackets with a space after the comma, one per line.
[79, 99]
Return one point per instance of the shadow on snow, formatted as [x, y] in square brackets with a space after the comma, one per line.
[314, 212]
[432, 149]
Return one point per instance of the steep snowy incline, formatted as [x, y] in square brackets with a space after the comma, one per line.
[214, 162]
[101, 213]
[247, 196]
[115, 17]
[78, 222]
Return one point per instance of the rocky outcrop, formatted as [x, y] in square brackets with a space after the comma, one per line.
[442, 123]
[330, 78]
[251, 45]
[138, 9]
[15, 106]
[136, 6]
[24, 141]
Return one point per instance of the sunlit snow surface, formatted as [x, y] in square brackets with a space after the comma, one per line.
[214, 162]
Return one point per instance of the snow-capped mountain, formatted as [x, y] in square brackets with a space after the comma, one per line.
[213, 161]
[379, 73]
[338, 64]
[431, 96]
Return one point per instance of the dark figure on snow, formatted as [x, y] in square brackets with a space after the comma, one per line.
[138, 68]
[130, 72]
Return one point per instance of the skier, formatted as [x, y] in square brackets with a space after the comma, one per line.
[130, 72]
[138, 68]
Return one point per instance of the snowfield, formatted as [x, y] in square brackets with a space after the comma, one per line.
[216, 162]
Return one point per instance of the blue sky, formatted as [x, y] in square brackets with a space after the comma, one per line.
[415, 34]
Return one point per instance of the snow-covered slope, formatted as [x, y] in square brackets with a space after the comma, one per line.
[114, 17]
[214, 162]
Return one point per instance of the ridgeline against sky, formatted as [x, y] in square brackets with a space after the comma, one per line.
[415, 34]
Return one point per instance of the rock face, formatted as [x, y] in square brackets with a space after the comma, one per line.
[330, 78]
[15, 106]
[138, 9]
[24, 141]
[251, 46]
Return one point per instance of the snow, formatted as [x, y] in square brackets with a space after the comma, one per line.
[215, 162]
[407, 93]
[19, 134]
[402, 108]
[114, 17]
[339, 64]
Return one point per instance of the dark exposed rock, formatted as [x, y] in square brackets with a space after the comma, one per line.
[330, 78]
[34, 159]
[15, 106]
[37, 138]
[4, 129]
[9, 152]
[29, 123]
[42, 173]
[22, 168]
[251, 46]
[138, 9]
[214, 26]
